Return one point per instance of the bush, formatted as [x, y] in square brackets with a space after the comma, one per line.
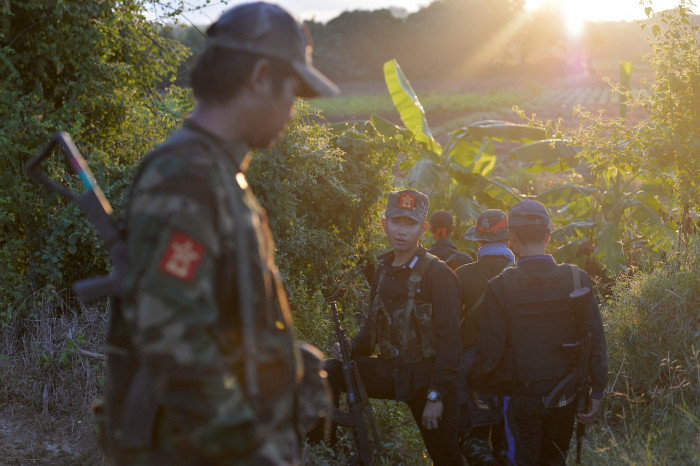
[653, 333]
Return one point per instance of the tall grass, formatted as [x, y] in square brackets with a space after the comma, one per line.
[652, 410]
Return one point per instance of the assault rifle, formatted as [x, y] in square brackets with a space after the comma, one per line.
[360, 418]
[579, 303]
[93, 202]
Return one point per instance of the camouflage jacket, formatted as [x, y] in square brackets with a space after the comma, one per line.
[206, 308]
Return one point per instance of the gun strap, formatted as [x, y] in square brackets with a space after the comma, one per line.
[413, 282]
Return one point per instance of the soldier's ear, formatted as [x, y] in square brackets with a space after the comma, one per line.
[384, 224]
[424, 227]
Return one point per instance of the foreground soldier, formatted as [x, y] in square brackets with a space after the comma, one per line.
[202, 367]
[478, 427]
[413, 319]
[527, 321]
[442, 226]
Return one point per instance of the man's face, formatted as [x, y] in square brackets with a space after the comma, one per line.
[403, 232]
[276, 110]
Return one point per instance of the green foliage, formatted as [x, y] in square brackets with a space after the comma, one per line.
[90, 69]
[322, 189]
[653, 335]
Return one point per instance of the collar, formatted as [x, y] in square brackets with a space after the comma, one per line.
[546, 258]
[496, 249]
[387, 258]
[445, 242]
[238, 151]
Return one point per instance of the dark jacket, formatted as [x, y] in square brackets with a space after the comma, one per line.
[489, 366]
[473, 279]
[440, 287]
[447, 252]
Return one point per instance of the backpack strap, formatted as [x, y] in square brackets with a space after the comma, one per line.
[576, 276]
[413, 281]
[475, 305]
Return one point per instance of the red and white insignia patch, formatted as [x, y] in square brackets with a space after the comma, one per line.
[407, 201]
[182, 257]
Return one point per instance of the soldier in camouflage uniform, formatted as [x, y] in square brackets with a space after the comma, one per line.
[413, 320]
[202, 367]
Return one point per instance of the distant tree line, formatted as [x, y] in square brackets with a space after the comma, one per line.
[453, 39]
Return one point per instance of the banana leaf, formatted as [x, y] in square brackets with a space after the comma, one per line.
[505, 130]
[573, 229]
[465, 208]
[568, 253]
[609, 249]
[547, 153]
[424, 174]
[385, 127]
[565, 194]
[472, 157]
[409, 107]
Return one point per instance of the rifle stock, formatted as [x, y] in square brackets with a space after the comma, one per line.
[365, 432]
[93, 202]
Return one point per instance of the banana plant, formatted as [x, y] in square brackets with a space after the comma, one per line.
[606, 217]
[457, 177]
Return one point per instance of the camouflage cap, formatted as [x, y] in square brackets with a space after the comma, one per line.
[491, 225]
[441, 219]
[529, 212]
[269, 30]
[407, 203]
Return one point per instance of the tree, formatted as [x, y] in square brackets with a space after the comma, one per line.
[90, 68]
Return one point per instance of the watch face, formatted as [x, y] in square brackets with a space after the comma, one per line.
[432, 396]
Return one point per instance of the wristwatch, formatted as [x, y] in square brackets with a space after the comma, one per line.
[434, 395]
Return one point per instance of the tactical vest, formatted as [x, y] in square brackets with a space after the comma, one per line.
[405, 334]
[256, 340]
[540, 318]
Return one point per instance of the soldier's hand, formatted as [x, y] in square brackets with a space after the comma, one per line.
[478, 404]
[592, 414]
[432, 414]
[337, 353]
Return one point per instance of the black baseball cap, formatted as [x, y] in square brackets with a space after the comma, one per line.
[269, 30]
[529, 212]
[441, 219]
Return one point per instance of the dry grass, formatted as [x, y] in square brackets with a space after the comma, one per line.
[50, 372]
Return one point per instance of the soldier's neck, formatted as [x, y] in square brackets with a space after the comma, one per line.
[401, 257]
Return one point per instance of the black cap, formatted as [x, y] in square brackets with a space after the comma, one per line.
[269, 30]
[440, 219]
[528, 212]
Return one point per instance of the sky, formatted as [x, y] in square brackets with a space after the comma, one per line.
[576, 11]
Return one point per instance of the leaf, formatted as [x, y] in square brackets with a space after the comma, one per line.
[609, 249]
[565, 194]
[423, 174]
[471, 157]
[409, 107]
[384, 126]
[572, 229]
[547, 153]
[465, 208]
[505, 130]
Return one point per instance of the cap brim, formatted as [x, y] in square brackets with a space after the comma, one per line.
[316, 84]
[472, 234]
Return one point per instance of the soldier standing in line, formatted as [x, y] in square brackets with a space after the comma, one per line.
[527, 322]
[478, 427]
[202, 366]
[413, 319]
[442, 226]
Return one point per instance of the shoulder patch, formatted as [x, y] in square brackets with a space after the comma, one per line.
[182, 256]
